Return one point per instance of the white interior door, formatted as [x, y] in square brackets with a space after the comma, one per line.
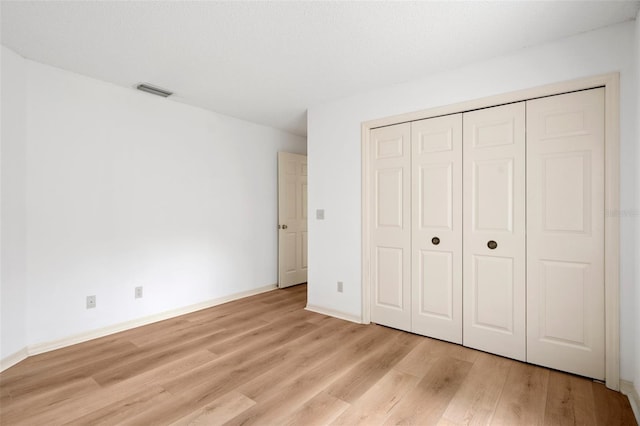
[391, 226]
[565, 221]
[494, 230]
[292, 219]
[436, 147]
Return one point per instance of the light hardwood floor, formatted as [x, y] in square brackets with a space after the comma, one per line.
[265, 360]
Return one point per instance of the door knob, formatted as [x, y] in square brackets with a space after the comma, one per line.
[492, 244]
[435, 241]
[284, 226]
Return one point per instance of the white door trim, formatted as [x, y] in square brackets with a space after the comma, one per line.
[611, 83]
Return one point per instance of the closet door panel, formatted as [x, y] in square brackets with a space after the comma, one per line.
[437, 227]
[565, 228]
[391, 230]
[494, 230]
[493, 195]
[492, 287]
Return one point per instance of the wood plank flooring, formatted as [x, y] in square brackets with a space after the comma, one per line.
[264, 360]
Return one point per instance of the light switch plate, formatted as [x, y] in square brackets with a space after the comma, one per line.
[320, 214]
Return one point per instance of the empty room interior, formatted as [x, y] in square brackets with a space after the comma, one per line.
[320, 213]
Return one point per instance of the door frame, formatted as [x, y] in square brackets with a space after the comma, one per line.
[611, 83]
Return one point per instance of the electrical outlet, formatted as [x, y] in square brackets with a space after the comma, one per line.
[339, 286]
[139, 292]
[91, 302]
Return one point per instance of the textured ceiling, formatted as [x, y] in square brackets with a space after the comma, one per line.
[268, 62]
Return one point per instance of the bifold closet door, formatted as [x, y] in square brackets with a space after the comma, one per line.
[390, 211]
[494, 230]
[436, 146]
[565, 228]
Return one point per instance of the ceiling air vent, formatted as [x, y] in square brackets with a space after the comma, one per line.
[153, 90]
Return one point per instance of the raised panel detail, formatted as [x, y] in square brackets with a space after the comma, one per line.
[563, 124]
[303, 236]
[563, 308]
[389, 277]
[290, 264]
[493, 134]
[303, 200]
[290, 167]
[290, 208]
[303, 170]
[566, 197]
[389, 148]
[436, 142]
[436, 283]
[493, 195]
[493, 293]
[436, 209]
[389, 197]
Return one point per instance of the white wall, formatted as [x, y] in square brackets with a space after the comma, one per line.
[13, 290]
[636, 379]
[127, 189]
[334, 154]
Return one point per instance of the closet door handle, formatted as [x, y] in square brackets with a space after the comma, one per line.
[435, 241]
[492, 244]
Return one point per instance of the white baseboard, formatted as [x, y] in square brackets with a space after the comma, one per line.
[332, 313]
[39, 348]
[627, 388]
[13, 359]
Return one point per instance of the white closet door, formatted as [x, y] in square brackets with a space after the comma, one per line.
[494, 227]
[436, 146]
[391, 230]
[565, 221]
